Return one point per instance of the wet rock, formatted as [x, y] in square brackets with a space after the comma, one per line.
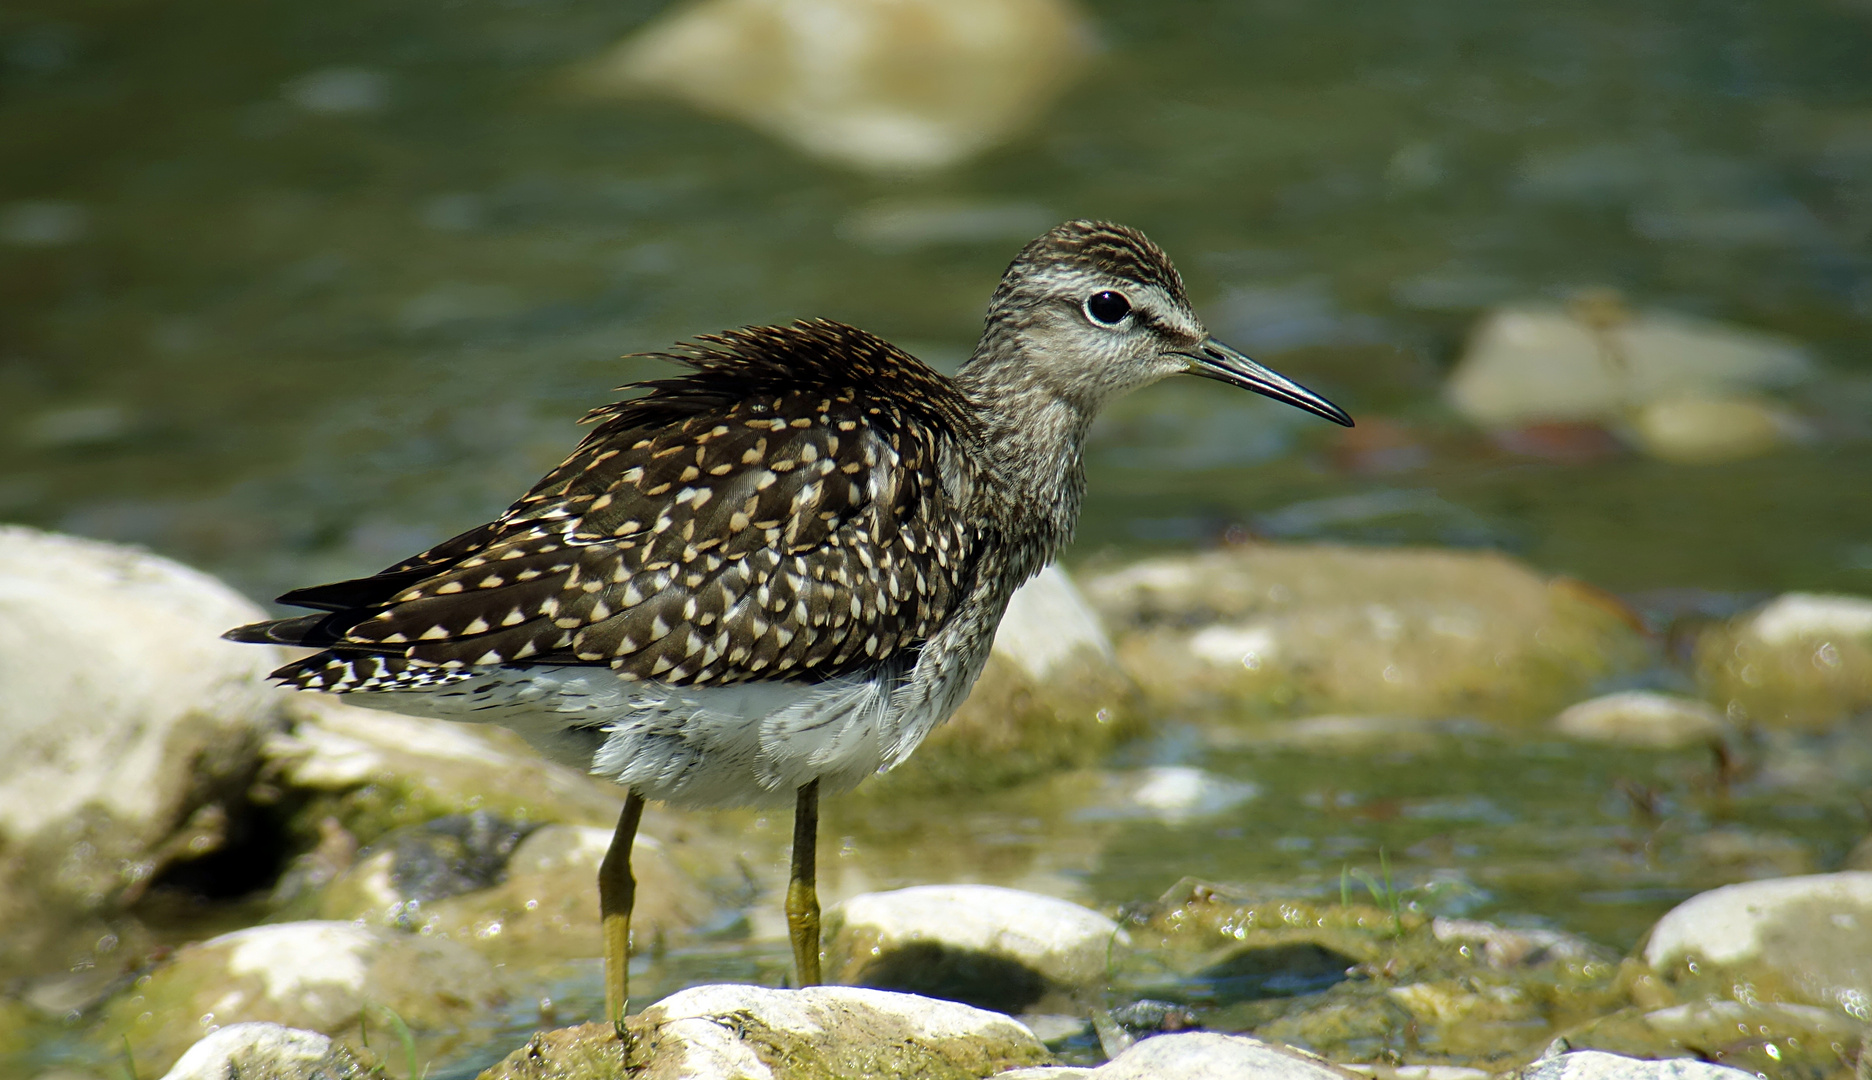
[1505, 948]
[909, 85]
[1710, 430]
[725, 1032]
[267, 1052]
[1803, 661]
[321, 976]
[1328, 628]
[1050, 698]
[998, 948]
[1598, 1065]
[1758, 1037]
[373, 771]
[1809, 938]
[537, 904]
[1172, 794]
[128, 730]
[1200, 1055]
[1641, 718]
[1596, 360]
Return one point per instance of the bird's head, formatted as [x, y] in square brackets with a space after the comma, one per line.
[1092, 310]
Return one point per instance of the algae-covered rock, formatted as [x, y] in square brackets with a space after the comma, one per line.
[375, 771]
[258, 1051]
[328, 977]
[1050, 698]
[819, 1033]
[541, 905]
[1803, 661]
[1800, 938]
[1200, 1055]
[998, 948]
[128, 731]
[1760, 1038]
[1327, 628]
[1641, 718]
[1598, 1065]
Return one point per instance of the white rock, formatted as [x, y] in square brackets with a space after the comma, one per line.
[1047, 624]
[1815, 929]
[1795, 617]
[1067, 944]
[123, 718]
[1532, 364]
[1598, 1065]
[265, 1052]
[1198, 1055]
[875, 84]
[1641, 718]
[710, 1032]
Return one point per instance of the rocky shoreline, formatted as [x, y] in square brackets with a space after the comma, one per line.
[204, 876]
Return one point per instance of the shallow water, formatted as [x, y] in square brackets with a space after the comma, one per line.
[288, 345]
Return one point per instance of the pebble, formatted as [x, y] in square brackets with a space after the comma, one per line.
[1711, 430]
[1815, 931]
[985, 944]
[1802, 661]
[1199, 1055]
[906, 86]
[262, 1051]
[1642, 718]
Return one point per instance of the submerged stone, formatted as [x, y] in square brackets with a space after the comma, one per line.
[1598, 1065]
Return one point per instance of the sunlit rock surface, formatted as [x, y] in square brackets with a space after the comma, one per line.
[329, 977]
[1597, 360]
[539, 903]
[1709, 430]
[1050, 697]
[887, 85]
[754, 1033]
[260, 1051]
[1410, 632]
[1811, 934]
[128, 730]
[998, 948]
[1598, 1065]
[1804, 660]
[1200, 1055]
[1641, 718]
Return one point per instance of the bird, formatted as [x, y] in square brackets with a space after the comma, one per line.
[771, 574]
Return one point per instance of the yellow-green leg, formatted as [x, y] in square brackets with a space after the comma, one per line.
[802, 895]
[617, 892]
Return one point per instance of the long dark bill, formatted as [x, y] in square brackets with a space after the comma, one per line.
[1215, 360]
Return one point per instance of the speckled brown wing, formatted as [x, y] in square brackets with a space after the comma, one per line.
[757, 519]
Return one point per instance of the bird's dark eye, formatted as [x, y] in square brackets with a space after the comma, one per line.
[1107, 307]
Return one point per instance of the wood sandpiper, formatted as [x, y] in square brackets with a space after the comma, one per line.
[772, 574]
